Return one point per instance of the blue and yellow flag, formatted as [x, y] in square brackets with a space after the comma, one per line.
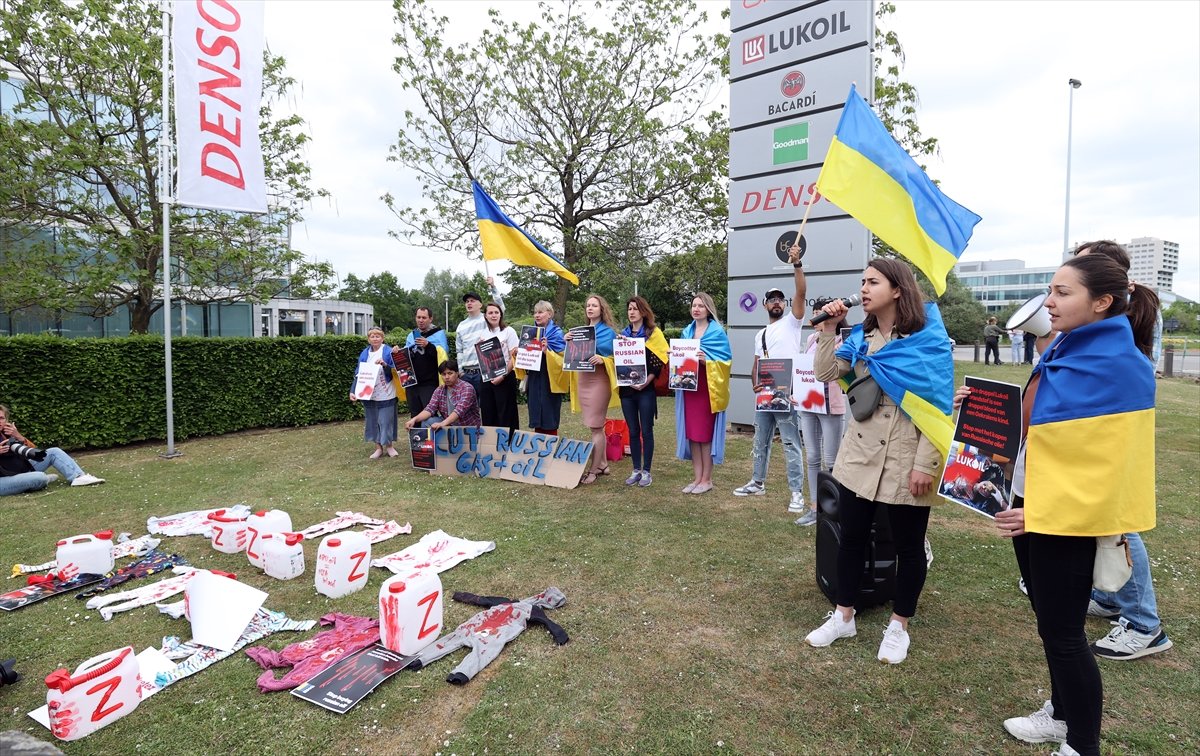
[916, 372]
[1089, 455]
[502, 239]
[870, 176]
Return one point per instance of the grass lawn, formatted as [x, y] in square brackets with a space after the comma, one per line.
[686, 613]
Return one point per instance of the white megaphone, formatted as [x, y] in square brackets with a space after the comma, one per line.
[1032, 317]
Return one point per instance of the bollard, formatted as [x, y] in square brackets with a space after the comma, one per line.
[976, 345]
[1169, 362]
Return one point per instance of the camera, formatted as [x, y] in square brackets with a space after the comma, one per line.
[28, 452]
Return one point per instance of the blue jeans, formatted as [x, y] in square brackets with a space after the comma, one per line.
[1136, 600]
[765, 424]
[822, 436]
[639, 409]
[36, 481]
[474, 378]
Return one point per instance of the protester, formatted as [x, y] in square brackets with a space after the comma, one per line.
[380, 410]
[900, 351]
[639, 402]
[428, 348]
[1017, 336]
[498, 397]
[24, 470]
[469, 332]
[452, 403]
[991, 341]
[545, 387]
[1062, 499]
[593, 393]
[822, 431]
[781, 339]
[700, 414]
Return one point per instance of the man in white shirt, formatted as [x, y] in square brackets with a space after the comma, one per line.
[469, 333]
[781, 339]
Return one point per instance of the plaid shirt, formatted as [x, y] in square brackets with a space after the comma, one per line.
[460, 399]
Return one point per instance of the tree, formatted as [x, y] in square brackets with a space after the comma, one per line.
[394, 305]
[962, 313]
[80, 211]
[673, 281]
[574, 128]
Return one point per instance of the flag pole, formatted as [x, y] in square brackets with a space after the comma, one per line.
[803, 223]
[164, 198]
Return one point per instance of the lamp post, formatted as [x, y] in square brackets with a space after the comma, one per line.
[446, 322]
[1073, 84]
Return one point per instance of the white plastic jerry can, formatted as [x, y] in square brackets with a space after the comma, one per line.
[264, 521]
[90, 553]
[343, 563]
[102, 690]
[410, 612]
[283, 555]
[229, 532]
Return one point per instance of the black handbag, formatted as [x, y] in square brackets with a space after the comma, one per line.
[863, 396]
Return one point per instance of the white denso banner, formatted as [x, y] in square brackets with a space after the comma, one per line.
[218, 47]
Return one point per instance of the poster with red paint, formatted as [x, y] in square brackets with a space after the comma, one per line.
[402, 359]
[348, 681]
[683, 368]
[809, 393]
[987, 436]
[421, 446]
[366, 378]
[774, 380]
[43, 588]
[581, 348]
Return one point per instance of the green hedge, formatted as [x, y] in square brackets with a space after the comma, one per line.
[81, 393]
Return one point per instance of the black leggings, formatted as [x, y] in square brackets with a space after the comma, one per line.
[1058, 574]
[908, 531]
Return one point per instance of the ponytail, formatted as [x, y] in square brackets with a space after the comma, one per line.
[1143, 314]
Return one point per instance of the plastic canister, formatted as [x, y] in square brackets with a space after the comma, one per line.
[229, 532]
[102, 690]
[410, 612]
[283, 555]
[91, 553]
[264, 521]
[343, 563]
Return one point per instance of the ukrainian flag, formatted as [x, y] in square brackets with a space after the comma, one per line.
[871, 177]
[1089, 455]
[502, 239]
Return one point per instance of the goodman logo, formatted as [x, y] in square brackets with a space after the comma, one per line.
[790, 144]
[792, 84]
[754, 49]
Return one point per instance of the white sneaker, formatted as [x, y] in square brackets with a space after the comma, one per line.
[1123, 643]
[797, 504]
[1038, 727]
[86, 480]
[833, 629]
[894, 648]
[1065, 750]
[1096, 609]
[928, 554]
[753, 488]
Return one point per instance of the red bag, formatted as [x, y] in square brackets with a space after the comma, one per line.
[615, 448]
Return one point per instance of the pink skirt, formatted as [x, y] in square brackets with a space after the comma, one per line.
[594, 395]
[698, 418]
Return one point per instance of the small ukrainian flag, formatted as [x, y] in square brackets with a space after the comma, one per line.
[502, 239]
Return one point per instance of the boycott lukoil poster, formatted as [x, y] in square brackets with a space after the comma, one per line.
[489, 452]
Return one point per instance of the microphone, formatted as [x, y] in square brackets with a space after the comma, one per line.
[821, 317]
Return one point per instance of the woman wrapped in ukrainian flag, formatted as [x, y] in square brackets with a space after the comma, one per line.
[700, 414]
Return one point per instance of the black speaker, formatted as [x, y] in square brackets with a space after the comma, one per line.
[878, 583]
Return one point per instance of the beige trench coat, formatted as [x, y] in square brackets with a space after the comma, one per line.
[877, 457]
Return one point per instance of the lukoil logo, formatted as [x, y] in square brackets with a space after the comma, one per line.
[791, 143]
[754, 49]
[792, 84]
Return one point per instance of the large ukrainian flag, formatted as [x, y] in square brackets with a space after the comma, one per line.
[502, 239]
[871, 177]
[1089, 455]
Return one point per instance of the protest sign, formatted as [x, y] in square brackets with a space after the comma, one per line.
[581, 348]
[405, 374]
[342, 685]
[492, 361]
[774, 379]
[529, 348]
[420, 444]
[629, 357]
[366, 378]
[684, 364]
[810, 394]
[522, 456]
[987, 436]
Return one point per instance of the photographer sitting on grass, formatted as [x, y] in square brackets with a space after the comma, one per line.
[23, 466]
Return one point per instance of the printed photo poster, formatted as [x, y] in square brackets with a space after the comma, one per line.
[684, 364]
[810, 394]
[402, 358]
[347, 681]
[420, 445]
[366, 378]
[987, 436]
[581, 348]
[629, 355]
[529, 348]
[491, 359]
[774, 379]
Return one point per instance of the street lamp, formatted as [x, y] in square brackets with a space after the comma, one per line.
[446, 322]
[1074, 84]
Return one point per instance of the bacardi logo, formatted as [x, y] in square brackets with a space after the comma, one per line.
[754, 49]
[792, 84]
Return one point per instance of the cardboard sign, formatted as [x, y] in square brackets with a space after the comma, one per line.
[420, 444]
[987, 437]
[684, 364]
[809, 393]
[492, 362]
[341, 686]
[529, 348]
[405, 373]
[775, 378]
[581, 348]
[366, 378]
[522, 456]
[629, 356]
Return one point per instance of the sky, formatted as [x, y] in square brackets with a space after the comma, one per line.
[992, 79]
